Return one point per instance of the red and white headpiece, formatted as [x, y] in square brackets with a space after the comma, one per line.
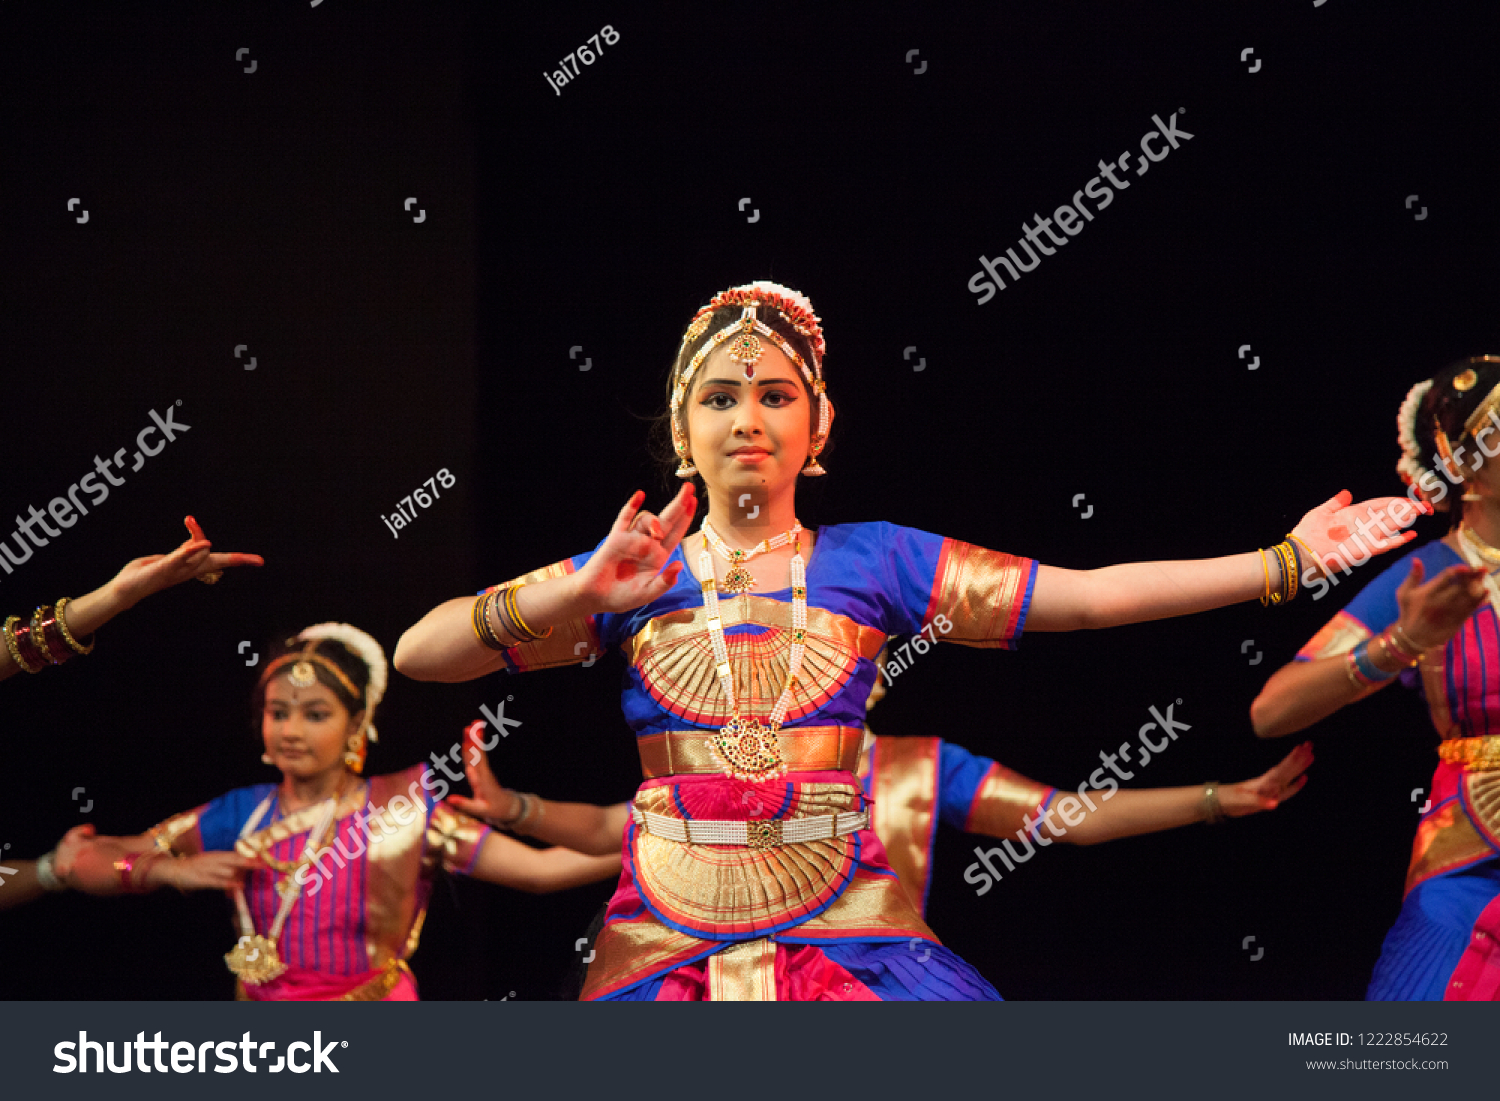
[761, 295]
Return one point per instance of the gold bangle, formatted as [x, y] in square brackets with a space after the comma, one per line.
[1265, 595]
[1406, 642]
[62, 625]
[1388, 642]
[1213, 809]
[15, 650]
[513, 606]
[479, 620]
[1314, 555]
[506, 635]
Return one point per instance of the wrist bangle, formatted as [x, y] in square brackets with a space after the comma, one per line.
[1365, 666]
[1314, 555]
[1405, 642]
[46, 875]
[62, 626]
[22, 651]
[508, 823]
[1212, 808]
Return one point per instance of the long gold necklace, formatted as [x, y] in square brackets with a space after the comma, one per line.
[740, 580]
[254, 959]
[1484, 550]
[746, 748]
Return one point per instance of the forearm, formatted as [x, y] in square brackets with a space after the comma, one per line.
[1134, 592]
[442, 645]
[83, 615]
[583, 827]
[1129, 812]
[21, 886]
[1301, 693]
[510, 863]
[94, 868]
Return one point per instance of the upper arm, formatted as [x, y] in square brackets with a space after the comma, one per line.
[983, 595]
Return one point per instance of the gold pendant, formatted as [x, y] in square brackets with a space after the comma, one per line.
[747, 750]
[738, 580]
[254, 960]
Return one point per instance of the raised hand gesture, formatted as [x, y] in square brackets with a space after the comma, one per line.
[1431, 614]
[626, 571]
[1272, 788]
[1368, 524]
[144, 576]
[491, 801]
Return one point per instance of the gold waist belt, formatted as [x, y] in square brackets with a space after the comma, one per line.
[803, 749]
[1477, 753]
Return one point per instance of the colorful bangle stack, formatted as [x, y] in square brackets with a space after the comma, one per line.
[513, 629]
[1395, 644]
[1286, 557]
[484, 631]
[44, 641]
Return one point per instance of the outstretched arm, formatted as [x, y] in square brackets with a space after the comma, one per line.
[1072, 600]
[625, 572]
[1128, 812]
[138, 580]
[142, 868]
[508, 862]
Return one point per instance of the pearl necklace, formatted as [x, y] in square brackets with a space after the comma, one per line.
[744, 747]
[739, 580]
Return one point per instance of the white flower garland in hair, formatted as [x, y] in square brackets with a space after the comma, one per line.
[369, 651]
[1410, 464]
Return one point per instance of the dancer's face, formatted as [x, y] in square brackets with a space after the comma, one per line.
[306, 730]
[744, 433]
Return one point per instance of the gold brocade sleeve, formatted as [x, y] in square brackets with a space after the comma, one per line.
[1339, 635]
[905, 789]
[570, 643]
[983, 593]
[1004, 798]
[454, 838]
[179, 834]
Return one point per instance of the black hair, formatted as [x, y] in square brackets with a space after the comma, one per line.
[1456, 392]
[334, 651]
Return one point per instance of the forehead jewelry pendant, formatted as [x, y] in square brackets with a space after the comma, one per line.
[303, 675]
[746, 348]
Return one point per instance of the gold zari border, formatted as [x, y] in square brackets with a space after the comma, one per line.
[803, 749]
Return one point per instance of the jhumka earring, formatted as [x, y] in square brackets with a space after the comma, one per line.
[811, 468]
[355, 757]
[685, 469]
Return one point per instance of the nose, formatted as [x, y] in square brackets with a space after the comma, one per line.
[747, 419]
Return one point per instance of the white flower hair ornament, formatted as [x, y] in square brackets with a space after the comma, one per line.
[369, 651]
[1410, 465]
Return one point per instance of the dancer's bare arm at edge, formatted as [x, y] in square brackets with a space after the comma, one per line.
[1073, 600]
[136, 581]
[1301, 693]
[624, 573]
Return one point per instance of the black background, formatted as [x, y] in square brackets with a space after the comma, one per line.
[266, 209]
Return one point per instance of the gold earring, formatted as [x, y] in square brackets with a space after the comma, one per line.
[811, 468]
[685, 469]
[266, 759]
[355, 757]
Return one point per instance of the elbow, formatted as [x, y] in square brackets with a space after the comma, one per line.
[1264, 717]
[407, 658]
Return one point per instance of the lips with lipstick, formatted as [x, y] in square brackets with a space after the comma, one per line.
[749, 454]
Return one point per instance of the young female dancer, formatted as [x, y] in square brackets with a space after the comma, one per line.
[758, 700]
[1442, 636]
[330, 872]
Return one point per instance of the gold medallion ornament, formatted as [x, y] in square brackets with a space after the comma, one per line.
[745, 748]
[746, 349]
[303, 675]
[1465, 380]
[254, 960]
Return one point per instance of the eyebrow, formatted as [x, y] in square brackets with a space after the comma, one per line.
[758, 382]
